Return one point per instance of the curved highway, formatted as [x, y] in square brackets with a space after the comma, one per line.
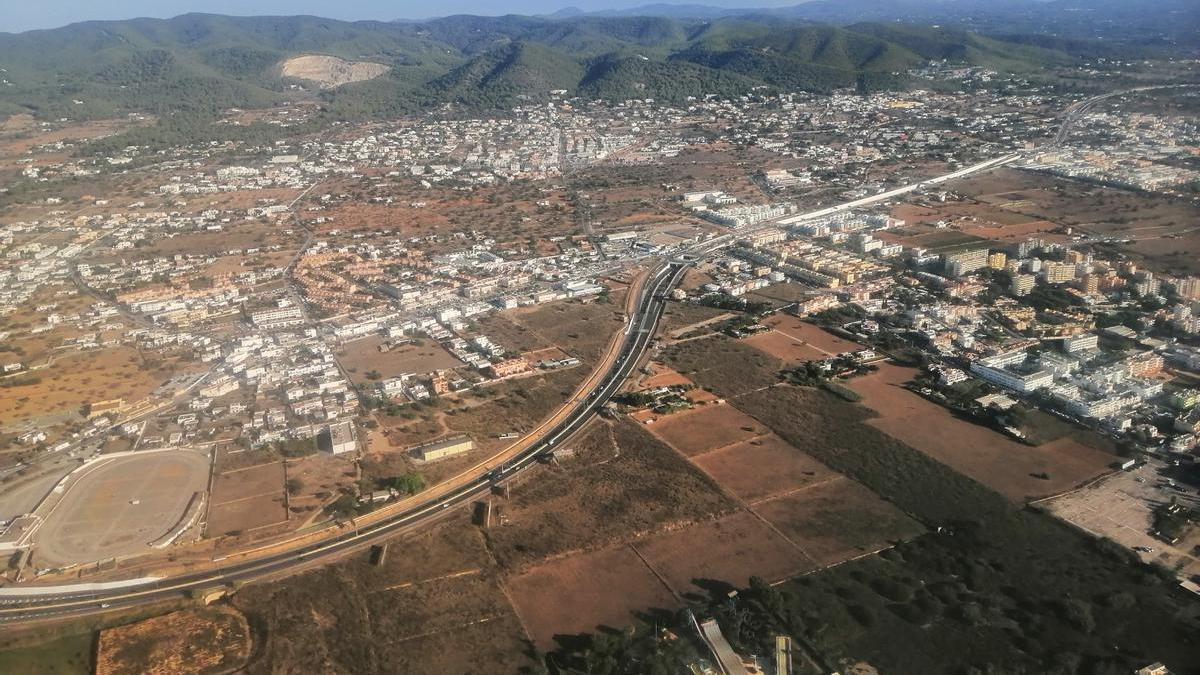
[61, 602]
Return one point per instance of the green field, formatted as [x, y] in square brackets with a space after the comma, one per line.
[70, 655]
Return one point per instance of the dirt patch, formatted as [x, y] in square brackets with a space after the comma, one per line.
[330, 71]
[432, 606]
[663, 376]
[809, 334]
[681, 318]
[785, 347]
[254, 481]
[622, 483]
[363, 356]
[239, 517]
[74, 381]
[200, 641]
[582, 329]
[1007, 466]
[513, 336]
[729, 550]
[582, 592]
[762, 468]
[838, 520]
[705, 428]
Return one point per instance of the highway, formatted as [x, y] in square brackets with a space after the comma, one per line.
[27, 604]
[31, 604]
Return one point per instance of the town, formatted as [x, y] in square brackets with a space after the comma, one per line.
[223, 355]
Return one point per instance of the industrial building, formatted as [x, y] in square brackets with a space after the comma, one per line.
[442, 449]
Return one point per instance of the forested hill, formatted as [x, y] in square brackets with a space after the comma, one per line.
[197, 64]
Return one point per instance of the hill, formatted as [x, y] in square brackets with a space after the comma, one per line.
[198, 64]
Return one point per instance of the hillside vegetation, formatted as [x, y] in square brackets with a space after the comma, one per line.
[198, 64]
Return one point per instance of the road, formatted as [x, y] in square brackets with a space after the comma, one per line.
[30, 604]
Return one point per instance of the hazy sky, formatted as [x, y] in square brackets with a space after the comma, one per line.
[21, 15]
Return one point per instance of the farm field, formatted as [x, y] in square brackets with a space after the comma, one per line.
[622, 482]
[761, 468]
[726, 551]
[837, 520]
[812, 335]
[583, 592]
[704, 428]
[1007, 466]
[246, 499]
[783, 346]
[662, 376]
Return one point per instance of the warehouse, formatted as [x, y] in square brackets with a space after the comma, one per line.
[443, 449]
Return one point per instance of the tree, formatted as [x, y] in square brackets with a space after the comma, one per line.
[409, 483]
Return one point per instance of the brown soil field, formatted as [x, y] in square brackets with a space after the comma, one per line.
[723, 365]
[763, 468]
[76, 380]
[976, 451]
[662, 376]
[1161, 227]
[582, 592]
[785, 348]
[200, 641]
[1014, 233]
[729, 550]
[621, 483]
[705, 428]
[20, 133]
[363, 356]
[838, 520]
[497, 210]
[921, 218]
[582, 329]
[692, 279]
[254, 481]
[250, 235]
[234, 518]
[487, 644]
[321, 477]
[511, 335]
[801, 331]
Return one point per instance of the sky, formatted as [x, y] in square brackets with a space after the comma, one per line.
[22, 15]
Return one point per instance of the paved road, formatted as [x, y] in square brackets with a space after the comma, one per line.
[66, 602]
[60, 603]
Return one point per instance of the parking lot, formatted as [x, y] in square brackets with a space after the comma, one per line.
[1121, 508]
